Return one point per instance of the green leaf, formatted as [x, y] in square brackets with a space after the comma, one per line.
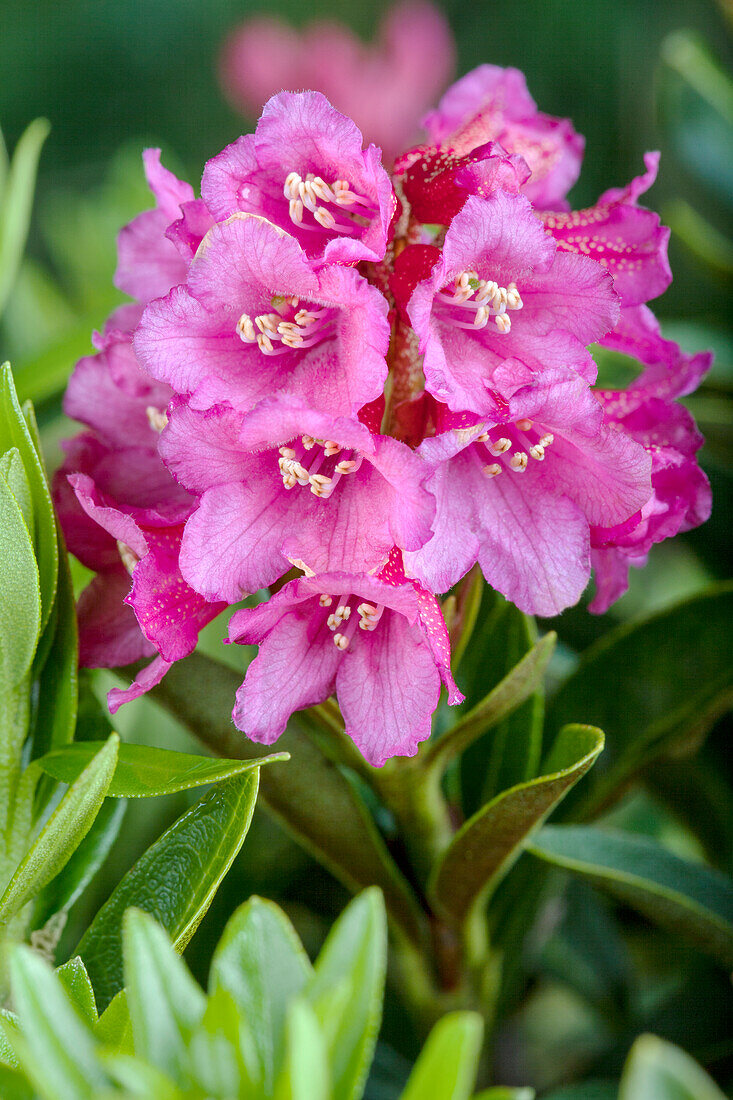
[355, 952]
[649, 696]
[11, 468]
[304, 1074]
[446, 1067]
[221, 1051]
[114, 1028]
[312, 797]
[657, 1070]
[20, 595]
[63, 832]
[143, 771]
[69, 884]
[485, 847]
[75, 981]
[505, 1092]
[18, 430]
[174, 880]
[54, 717]
[57, 1050]
[510, 752]
[164, 1001]
[139, 1079]
[13, 1086]
[686, 898]
[17, 204]
[261, 962]
[515, 688]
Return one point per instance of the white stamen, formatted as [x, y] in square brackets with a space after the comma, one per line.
[547, 440]
[324, 217]
[246, 329]
[503, 323]
[295, 210]
[325, 600]
[264, 343]
[519, 462]
[524, 425]
[500, 446]
[157, 418]
[493, 470]
[537, 452]
[341, 641]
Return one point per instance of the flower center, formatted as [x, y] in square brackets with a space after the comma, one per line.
[366, 617]
[314, 462]
[314, 196]
[288, 328]
[484, 298]
[512, 446]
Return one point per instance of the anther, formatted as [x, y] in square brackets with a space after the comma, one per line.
[157, 418]
[324, 217]
[503, 323]
[537, 452]
[493, 470]
[518, 462]
[325, 600]
[341, 641]
[246, 329]
[547, 440]
[524, 425]
[128, 557]
[500, 446]
[264, 343]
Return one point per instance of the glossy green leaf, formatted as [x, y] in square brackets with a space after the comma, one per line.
[143, 771]
[513, 690]
[75, 981]
[17, 429]
[311, 796]
[658, 1070]
[305, 1070]
[20, 595]
[686, 898]
[58, 1051]
[510, 752]
[489, 842]
[164, 1001]
[446, 1067]
[13, 471]
[17, 203]
[68, 885]
[261, 962]
[648, 694]
[63, 832]
[174, 880]
[355, 952]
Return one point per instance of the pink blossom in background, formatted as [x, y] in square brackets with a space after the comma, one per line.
[368, 383]
[384, 87]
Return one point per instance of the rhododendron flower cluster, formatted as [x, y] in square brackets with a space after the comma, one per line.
[348, 386]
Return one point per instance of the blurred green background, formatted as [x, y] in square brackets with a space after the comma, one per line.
[113, 77]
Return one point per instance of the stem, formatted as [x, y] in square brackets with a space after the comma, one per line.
[415, 798]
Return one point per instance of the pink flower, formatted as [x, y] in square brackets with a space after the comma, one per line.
[254, 318]
[646, 412]
[148, 263]
[501, 291]
[378, 642]
[519, 493]
[122, 515]
[286, 484]
[629, 241]
[304, 169]
[384, 87]
[493, 104]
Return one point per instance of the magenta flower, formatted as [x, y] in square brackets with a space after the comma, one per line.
[304, 169]
[384, 87]
[254, 319]
[493, 104]
[519, 494]
[378, 642]
[286, 484]
[501, 291]
[628, 240]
